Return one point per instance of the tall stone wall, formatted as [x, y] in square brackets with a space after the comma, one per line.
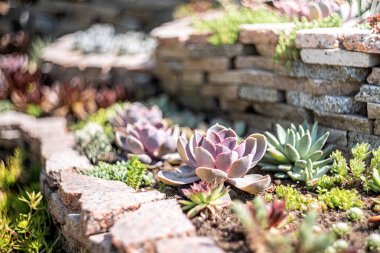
[336, 82]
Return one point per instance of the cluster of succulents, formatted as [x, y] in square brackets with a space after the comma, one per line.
[102, 38]
[219, 155]
[297, 153]
[204, 196]
[317, 9]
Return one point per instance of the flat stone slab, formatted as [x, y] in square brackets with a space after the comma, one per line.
[207, 64]
[324, 103]
[374, 77]
[369, 94]
[376, 129]
[188, 245]
[138, 231]
[263, 33]
[345, 122]
[339, 57]
[337, 137]
[325, 38]
[13, 119]
[259, 94]
[361, 40]
[202, 51]
[102, 208]
[282, 111]
[259, 62]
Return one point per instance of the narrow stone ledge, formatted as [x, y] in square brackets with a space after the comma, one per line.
[101, 209]
[339, 57]
[355, 138]
[263, 33]
[188, 245]
[345, 122]
[63, 161]
[282, 111]
[325, 38]
[373, 110]
[204, 51]
[207, 64]
[325, 103]
[369, 94]
[374, 77]
[73, 186]
[138, 231]
[259, 62]
[259, 94]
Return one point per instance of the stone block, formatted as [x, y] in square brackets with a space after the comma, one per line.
[207, 64]
[57, 209]
[229, 105]
[337, 137]
[192, 77]
[263, 33]
[259, 94]
[71, 229]
[325, 38]
[374, 77]
[254, 121]
[100, 243]
[376, 129]
[259, 62]
[369, 94]
[225, 91]
[205, 51]
[266, 50]
[188, 245]
[361, 40]
[373, 110]
[102, 208]
[282, 111]
[139, 230]
[345, 122]
[357, 137]
[339, 57]
[325, 103]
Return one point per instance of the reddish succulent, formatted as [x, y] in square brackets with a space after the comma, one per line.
[374, 22]
[106, 97]
[275, 213]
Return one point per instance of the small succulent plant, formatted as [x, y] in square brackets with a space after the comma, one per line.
[148, 142]
[269, 215]
[340, 246]
[374, 182]
[341, 228]
[341, 198]
[373, 242]
[205, 196]
[297, 153]
[355, 214]
[219, 155]
[105, 97]
[317, 9]
[136, 112]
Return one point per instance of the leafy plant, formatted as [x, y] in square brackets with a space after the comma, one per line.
[286, 50]
[219, 155]
[297, 153]
[93, 142]
[341, 198]
[131, 172]
[204, 196]
[225, 30]
[296, 200]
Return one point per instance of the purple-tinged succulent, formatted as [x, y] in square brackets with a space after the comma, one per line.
[218, 155]
[148, 142]
[137, 112]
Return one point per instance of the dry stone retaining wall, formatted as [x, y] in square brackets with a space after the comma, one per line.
[97, 215]
[336, 82]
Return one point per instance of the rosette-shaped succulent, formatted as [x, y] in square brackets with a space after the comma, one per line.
[218, 155]
[148, 142]
[297, 153]
[136, 112]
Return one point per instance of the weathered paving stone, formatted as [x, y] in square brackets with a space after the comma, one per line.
[139, 230]
[337, 137]
[188, 245]
[100, 210]
[207, 64]
[66, 160]
[345, 122]
[369, 94]
[227, 92]
[259, 94]
[324, 103]
[282, 111]
[100, 243]
[325, 38]
[202, 51]
[356, 137]
[263, 33]
[373, 110]
[259, 62]
[73, 186]
[339, 57]
[361, 40]
[317, 71]
[374, 77]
